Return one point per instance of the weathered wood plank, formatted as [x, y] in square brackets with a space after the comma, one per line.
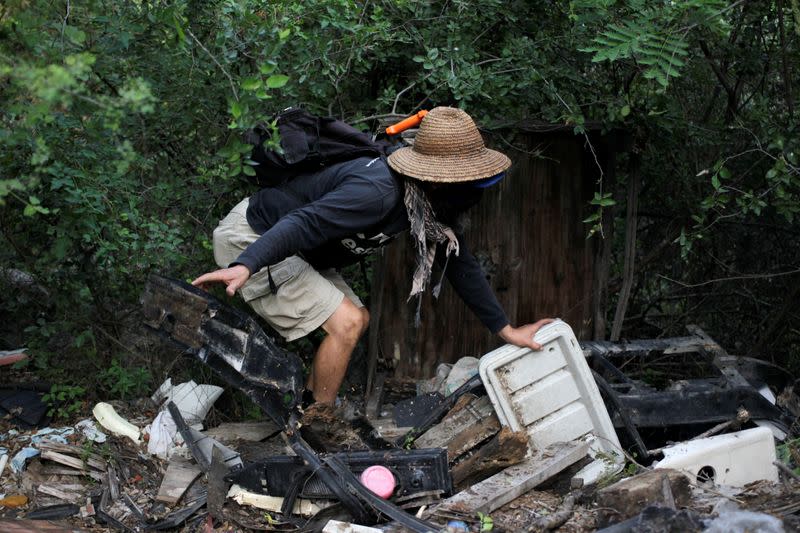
[73, 462]
[250, 431]
[505, 449]
[462, 430]
[60, 493]
[516, 480]
[52, 470]
[179, 476]
[92, 459]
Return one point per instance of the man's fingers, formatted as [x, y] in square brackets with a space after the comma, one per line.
[233, 286]
[203, 280]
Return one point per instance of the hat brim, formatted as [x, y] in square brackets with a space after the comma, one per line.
[449, 169]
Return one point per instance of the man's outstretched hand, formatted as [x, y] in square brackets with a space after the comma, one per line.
[523, 335]
[234, 277]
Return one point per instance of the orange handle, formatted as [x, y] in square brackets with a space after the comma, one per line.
[404, 124]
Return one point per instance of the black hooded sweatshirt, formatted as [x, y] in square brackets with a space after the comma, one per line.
[334, 216]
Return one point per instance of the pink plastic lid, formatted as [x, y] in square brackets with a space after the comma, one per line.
[379, 480]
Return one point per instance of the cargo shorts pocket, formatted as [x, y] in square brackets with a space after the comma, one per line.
[259, 286]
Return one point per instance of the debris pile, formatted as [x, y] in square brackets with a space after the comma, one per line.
[577, 437]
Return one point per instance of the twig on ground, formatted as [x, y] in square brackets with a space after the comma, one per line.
[786, 470]
[557, 519]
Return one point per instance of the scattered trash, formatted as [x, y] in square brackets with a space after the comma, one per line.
[193, 400]
[19, 460]
[23, 402]
[628, 497]
[731, 519]
[201, 446]
[335, 526]
[179, 476]
[546, 409]
[379, 480]
[463, 370]
[107, 417]
[52, 435]
[53, 512]
[9, 357]
[272, 503]
[457, 526]
[733, 459]
[89, 430]
[17, 500]
[162, 433]
[659, 519]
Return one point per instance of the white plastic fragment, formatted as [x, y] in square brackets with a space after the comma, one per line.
[162, 391]
[3, 462]
[731, 519]
[335, 526]
[464, 369]
[162, 435]
[107, 417]
[89, 430]
[272, 503]
[191, 399]
[734, 459]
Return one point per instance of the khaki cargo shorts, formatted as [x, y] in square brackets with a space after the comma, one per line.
[305, 298]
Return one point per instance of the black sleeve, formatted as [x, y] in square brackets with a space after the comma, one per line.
[469, 281]
[351, 207]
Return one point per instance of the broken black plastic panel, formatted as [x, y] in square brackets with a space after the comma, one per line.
[722, 386]
[229, 342]
[415, 471]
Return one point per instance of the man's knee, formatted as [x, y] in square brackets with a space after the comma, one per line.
[348, 322]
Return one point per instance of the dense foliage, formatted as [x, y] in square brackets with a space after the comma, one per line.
[120, 144]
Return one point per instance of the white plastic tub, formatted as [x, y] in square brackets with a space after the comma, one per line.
[552, 395]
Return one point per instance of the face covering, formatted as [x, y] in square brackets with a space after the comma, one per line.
[450, 201]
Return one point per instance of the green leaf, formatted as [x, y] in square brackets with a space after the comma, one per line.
[284, 34]
[715, 182]
[251, 84]
[625, 111]
[247, 170]
[276, 81]
[236, 109]
[266, 68]
[74, 34]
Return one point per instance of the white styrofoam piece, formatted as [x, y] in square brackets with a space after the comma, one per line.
[735, 459]
[552, 395]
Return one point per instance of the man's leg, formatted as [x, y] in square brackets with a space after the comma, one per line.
[344, 327]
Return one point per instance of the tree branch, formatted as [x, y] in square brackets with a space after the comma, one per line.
[214, 59]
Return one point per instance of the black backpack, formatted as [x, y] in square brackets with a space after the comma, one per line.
[307, 142]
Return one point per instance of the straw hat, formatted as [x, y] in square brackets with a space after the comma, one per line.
[448, 148]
